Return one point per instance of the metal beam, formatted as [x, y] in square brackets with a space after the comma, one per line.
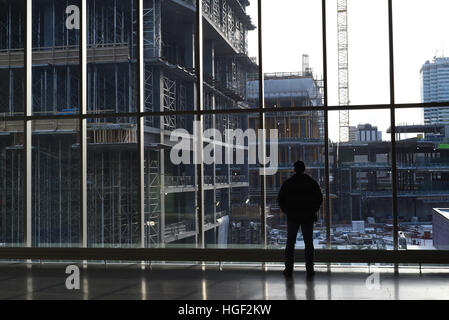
[326, 125]
[140, 123]
[227, 255]
[262, 177]
[199, 119]
[21, 116]
[393, 128]
[27, 156]
[83, 122]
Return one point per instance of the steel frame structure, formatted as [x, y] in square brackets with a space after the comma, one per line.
[198, 254]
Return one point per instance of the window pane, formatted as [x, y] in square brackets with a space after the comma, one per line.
[292, 44]
[11, 183]
[55, 183]
[358, 60]
[421, 40]
[232, 181]
[55, 34]
[301, 137]
[230, 50]
[281, 54]
[12, 37]
[170, 186]
[112, 53]
[232, 216]
[361, 182]
[112, 214]
[423, 178]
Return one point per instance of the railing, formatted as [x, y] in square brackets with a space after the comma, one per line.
[175, 229]
[410, 193]
[400, 165]
[178, 181]
[209, 180]
[220, 214]
[68, 47]
[304, 140]
[221, 179]
[239, 179]
[209, 219]
[289, 165]
[178, 228]
[434, 186]
[276, 75]
[62, 55]
[228, 22]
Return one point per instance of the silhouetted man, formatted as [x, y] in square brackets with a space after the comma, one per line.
[300, 199]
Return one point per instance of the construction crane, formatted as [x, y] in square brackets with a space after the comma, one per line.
[343, 75]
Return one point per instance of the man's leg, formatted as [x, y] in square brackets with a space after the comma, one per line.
[292, 231]
[307, 233]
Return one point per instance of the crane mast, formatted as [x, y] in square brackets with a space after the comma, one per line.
[343, 75]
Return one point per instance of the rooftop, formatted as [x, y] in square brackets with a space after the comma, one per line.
[444, 212]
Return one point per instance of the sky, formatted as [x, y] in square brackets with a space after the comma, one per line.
[292, 28]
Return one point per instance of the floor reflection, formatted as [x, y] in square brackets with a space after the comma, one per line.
[310, 289]
[290, 289]
[47, 281]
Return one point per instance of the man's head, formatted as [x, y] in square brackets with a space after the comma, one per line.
[300, 167]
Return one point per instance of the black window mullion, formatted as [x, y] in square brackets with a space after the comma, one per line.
[263, 215]
[393, 126]
[326, 124]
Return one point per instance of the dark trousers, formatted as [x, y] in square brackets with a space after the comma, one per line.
[307, 233]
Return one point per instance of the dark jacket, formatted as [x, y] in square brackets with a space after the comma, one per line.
[300, 198]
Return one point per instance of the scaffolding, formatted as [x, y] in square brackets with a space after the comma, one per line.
[112, 206]
[11, 197]
[152, 28]
[108, 22]
[152, 199]
[112, 166]
[55, 180]
[169, 102]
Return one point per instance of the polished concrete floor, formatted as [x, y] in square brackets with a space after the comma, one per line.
[193, 282]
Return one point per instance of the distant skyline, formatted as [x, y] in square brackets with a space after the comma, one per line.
[293, 28]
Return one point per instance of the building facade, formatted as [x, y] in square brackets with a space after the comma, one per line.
[364, 132]
[435, 88]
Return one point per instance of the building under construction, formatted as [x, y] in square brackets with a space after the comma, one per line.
[360, 170]
[361, 173]
[169, 85]
[300, 135]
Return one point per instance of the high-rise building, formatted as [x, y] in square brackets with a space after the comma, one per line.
[435, 88]
[364, 132]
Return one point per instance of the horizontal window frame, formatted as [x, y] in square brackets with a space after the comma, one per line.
[225, 255]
